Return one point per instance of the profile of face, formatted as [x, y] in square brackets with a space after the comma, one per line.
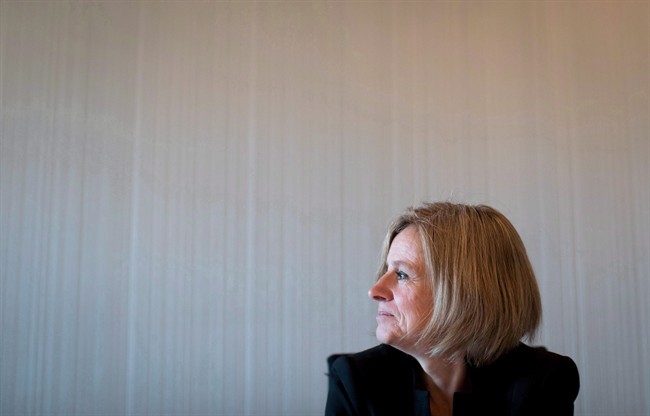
[403, 293]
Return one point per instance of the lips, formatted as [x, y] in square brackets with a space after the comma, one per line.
[382, 313]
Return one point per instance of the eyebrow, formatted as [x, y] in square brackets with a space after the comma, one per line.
[403, 263]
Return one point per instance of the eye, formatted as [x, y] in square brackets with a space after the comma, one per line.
[401, 275]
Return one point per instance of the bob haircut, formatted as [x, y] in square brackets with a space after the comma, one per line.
[485, 296]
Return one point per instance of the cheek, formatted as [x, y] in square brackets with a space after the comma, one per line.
[419, 308]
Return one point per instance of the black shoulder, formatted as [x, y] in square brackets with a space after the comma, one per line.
[362, 383]
[537, 381]
[550, 368]
[559, 378]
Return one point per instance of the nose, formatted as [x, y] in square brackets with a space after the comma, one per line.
[380, 290]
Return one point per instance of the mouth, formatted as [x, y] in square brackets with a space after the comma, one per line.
[384, 314]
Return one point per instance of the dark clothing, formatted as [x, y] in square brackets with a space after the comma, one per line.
[385, 381]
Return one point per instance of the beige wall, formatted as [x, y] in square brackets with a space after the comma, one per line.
[193, 194]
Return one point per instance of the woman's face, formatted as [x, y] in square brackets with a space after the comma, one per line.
[403, 293]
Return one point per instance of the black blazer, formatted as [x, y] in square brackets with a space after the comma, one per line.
[384, 381]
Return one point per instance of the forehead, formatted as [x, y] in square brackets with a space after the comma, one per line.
[406, 247]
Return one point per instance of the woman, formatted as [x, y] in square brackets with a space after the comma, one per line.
[456, 293]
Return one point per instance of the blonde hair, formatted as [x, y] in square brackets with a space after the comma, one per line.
[485, 295]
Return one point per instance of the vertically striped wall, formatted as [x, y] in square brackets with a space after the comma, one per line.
[193, 194]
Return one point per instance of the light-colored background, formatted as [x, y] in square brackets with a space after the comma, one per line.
[193, 194]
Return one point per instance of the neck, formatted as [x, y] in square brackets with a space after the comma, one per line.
[443, 378]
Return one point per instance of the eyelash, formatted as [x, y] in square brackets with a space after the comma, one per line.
[401, 275]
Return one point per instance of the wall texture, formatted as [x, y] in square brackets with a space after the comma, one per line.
[193, 194]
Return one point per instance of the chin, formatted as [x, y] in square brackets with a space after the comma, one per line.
[384, 337]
